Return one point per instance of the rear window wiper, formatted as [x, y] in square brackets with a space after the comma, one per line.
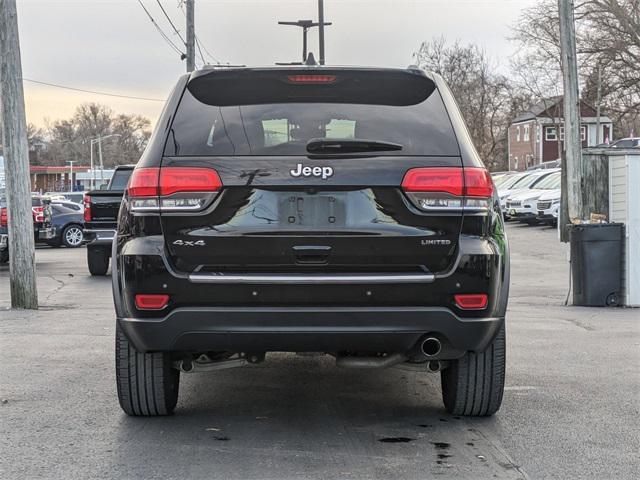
[349, 145]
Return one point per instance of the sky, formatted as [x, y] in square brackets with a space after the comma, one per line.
[112, 46]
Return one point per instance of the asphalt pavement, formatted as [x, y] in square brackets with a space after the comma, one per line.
[571, 406]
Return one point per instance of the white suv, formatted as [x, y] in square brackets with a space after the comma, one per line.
[522, 205]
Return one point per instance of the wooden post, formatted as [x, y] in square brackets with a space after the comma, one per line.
[191, 36]
[571, 166]
[22, 265]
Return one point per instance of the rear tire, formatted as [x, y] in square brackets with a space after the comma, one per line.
[97, 260]
[473, 385]
[147, 382]
[4, 256]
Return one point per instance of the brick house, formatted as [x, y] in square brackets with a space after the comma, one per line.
[536, 136]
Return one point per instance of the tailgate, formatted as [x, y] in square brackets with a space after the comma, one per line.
[357, 221]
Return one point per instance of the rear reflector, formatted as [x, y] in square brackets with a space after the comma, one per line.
[311, 79]
[151, 302]
[471, 301]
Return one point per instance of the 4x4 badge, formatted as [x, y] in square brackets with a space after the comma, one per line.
[189, 243]
[322, 172]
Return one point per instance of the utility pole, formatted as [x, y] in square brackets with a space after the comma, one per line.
[321, 25]
[571, 204]
[70, 162]
[92, 182]
[191, 36]
[22, 266]
[100, 159]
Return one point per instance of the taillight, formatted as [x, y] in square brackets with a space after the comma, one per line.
[448, 188]
[172, 188]
[471, 301]
[38, 214]
[87, 208]
[151, 301]
[3, 217]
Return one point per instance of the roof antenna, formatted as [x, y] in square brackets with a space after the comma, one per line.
[311, 61]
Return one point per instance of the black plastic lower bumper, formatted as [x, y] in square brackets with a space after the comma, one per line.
[389, 329]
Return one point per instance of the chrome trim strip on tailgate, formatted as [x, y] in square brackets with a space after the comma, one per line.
[287, 279]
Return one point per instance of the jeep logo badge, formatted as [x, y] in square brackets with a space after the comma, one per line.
[322, 172]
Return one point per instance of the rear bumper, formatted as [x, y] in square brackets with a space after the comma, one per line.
[43, 234]
[240, 329]
[4, 241]
[98, 236]
[315, 313]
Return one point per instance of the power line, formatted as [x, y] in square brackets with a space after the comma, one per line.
[209, 54]
[164, 35]
[200, 51]
[92, 91]
[171, 22]
[201, 46]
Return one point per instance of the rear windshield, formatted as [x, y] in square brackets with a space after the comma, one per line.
[266, 114]
[120, 179]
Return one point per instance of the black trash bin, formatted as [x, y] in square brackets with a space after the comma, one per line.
[595, 264]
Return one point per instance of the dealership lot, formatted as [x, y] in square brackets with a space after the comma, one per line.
[570, 410]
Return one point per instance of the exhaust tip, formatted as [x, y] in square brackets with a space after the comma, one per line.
[434, 366]
[431, 347]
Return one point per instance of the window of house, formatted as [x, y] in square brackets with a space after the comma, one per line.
[526, 133]
[583, 133]
[550, 134]
[518, 133]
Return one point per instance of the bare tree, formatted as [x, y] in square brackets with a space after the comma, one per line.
[608, 37]
[70, 139]
[482, 94]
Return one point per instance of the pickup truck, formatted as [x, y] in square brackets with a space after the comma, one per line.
[42, 231]
[101, 219]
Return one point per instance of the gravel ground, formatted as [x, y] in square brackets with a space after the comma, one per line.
[571, 406]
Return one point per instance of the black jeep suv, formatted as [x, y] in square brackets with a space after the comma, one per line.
[310, 209]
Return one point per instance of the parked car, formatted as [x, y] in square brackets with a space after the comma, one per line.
[630, 142]
[101, 219]
[42, 231]
[522, 205]
[77, 207]
[548, 205]
[67, 226]
[41, 209]
[75, 197]
[526, 181]
[310, 209]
